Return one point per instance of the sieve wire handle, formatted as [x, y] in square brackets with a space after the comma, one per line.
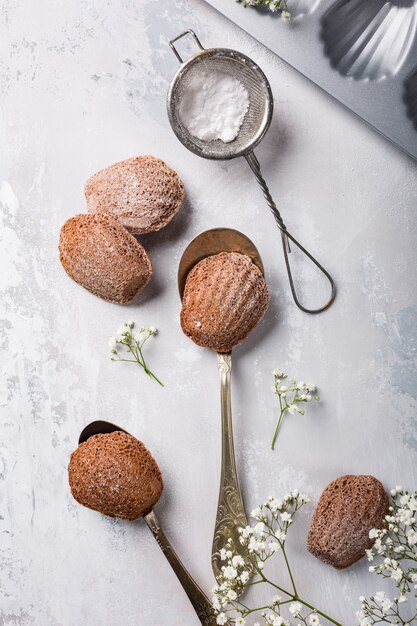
[184, 34]
[286, 237]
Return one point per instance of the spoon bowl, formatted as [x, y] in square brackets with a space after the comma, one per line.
[98, 427]
[212, 242]
[198, 599]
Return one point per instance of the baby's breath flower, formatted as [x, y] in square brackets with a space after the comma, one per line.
[295, 608]
[244, 577]
[223, 556]
[395, 555]
[273, 546]
[274, 6]
[262, 541]
[132, 344]
[229, 572]
[291, 397]
[280, 535]
[256, 513]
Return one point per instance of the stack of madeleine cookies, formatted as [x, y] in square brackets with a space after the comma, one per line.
[99, 250]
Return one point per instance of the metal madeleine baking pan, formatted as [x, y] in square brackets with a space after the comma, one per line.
[362, 52]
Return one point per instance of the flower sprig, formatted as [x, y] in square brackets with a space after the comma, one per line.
[291, 398]
[127, 346]
[262, 541]
[274, 6]
[394, 557]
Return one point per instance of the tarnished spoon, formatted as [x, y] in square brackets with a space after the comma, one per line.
[198, 599]
[230, 510]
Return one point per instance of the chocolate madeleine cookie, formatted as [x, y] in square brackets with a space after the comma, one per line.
[116, 475]
[142, 193]
[225, 297]
[99, 254]
[348, 509]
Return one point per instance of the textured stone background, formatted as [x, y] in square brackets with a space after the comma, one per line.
[83, 85]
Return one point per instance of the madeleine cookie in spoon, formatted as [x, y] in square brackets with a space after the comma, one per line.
[115, 474]
[225, 297]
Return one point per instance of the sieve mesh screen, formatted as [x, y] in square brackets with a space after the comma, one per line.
[258, 115]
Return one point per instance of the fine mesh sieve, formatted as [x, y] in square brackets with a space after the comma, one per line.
[255, 124]
[257, 118]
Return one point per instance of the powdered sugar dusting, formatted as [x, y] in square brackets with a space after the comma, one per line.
[213, 106]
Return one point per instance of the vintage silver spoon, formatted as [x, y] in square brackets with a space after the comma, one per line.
[230, 510]
[198, 599]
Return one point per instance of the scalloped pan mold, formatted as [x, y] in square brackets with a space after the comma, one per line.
[362, 52]
[368, 39]
[410, 97]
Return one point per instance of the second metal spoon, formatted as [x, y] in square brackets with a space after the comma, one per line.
[198, 599]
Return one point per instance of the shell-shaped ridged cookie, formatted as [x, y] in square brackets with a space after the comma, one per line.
[116, 475]
[99, 254]
[348, 509]
[225, 297]
[142, 193]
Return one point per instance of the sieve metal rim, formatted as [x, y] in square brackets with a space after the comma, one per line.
[269, 103]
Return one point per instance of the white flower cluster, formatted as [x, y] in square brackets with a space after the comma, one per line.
[124, 335]
[274, 6]
[394, 557]
[261, 541]
[291, 396]
[294, 393]
[127, 345]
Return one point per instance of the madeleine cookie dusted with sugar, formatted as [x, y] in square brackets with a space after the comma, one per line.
[99, 254]
[225, 297]
[348, 509]
[142, 193]
[116, 475]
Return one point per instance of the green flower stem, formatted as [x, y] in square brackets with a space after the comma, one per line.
[297, 598]
[274, 517]
[291, 396]
[134, 346]
[289, 569]
[282, 411]
[294, 596]
[313, 608]
[258, 608]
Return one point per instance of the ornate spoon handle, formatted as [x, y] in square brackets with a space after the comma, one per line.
[230, 511]
[197, 598]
